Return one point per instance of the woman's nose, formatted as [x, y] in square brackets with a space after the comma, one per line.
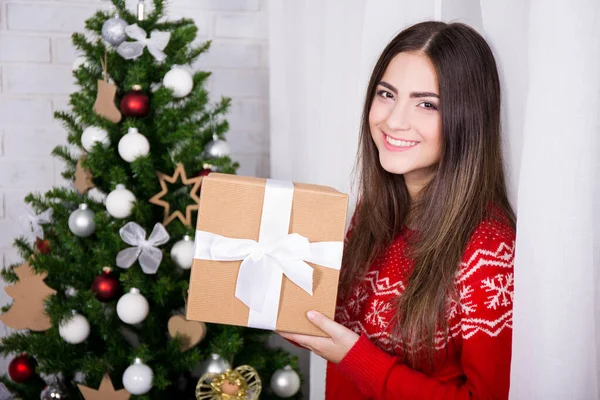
[398, 119]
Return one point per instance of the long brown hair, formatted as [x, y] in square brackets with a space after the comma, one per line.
[469, 178]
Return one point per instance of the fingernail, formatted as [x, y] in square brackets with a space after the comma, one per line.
[311, 315]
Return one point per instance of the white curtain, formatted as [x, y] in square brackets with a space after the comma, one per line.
[557, 309]
[548, 52]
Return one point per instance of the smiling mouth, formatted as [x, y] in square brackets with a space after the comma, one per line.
[399, 143]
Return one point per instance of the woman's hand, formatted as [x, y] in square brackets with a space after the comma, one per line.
[335, 347]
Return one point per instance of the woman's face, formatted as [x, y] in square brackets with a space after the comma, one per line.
[404, 118]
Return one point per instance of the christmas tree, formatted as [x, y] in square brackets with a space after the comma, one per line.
[99, 300]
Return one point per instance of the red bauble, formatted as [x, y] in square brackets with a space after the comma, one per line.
[203, 172]
[106, 286]
[206, 169]
[42, 245]
[21, 368]
[135, 103]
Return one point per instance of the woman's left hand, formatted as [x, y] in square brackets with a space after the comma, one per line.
[333, 348]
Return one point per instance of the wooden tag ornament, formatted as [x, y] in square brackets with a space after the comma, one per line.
[105, 101]
[29, 293]
[191, 332]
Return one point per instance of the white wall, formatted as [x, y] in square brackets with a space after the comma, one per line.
[35, 70]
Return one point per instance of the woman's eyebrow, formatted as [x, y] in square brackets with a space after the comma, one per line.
[413, 95]
[388, 86]
[423, 94]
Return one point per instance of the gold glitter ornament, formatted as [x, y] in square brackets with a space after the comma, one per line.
[242, 383]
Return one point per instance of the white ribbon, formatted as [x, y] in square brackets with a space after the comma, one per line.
[156, 43]
[32, 221]
[149, 256]
[276, 253]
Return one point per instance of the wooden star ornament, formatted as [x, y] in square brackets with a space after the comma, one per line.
[195, 187]
[106, 391]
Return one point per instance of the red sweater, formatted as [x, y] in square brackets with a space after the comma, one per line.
[476, 362]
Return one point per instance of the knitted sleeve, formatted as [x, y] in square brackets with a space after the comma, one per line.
[484, 313]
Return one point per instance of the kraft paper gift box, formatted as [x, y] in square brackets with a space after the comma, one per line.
[266, 252]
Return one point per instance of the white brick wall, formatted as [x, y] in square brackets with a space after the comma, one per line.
[35, 80]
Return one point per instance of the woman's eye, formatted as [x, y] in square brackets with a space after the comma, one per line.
[427, 105]
[385, 94]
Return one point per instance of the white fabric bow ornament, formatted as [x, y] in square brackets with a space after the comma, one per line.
[149, 256]
[4, 393]
[32, 221]
[156, 43]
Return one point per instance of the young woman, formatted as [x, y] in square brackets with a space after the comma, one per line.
[425, 299]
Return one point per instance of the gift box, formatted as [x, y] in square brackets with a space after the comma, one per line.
[266, 252]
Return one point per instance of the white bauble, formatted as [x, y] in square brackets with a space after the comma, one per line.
[74, 330]
[132, 307]
[137, 378]
[182, 253]
[93, 134]
[180, 81]
[119, 202]
[133, 145]
[285, 382]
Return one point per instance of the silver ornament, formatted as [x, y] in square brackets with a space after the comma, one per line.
[53, 391]
[215, 364]
[285, 382]
[81, 221]
[113, 31]
[216, 148]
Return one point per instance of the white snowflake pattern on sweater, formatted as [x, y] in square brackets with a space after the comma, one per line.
[484, 285]
[377, 313]
[464, 304]
[500, 286]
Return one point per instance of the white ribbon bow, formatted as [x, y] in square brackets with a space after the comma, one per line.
[286, 255]
[156, 43]
[4, 393]
[276, 253]
[32, 221]
[149, 256]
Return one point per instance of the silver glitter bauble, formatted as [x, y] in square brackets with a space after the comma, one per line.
[215, 364]
[285, 382]
[81, 221]
[113, 31]
[216, 148]
[53, 392]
